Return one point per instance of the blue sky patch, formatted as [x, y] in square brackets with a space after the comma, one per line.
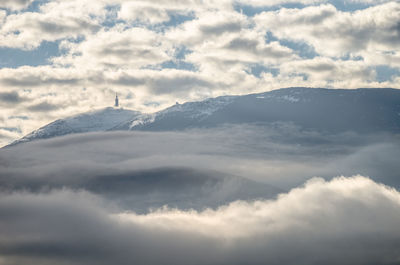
[300, 47]
[385, 73]
[13, 58]
[258, 69]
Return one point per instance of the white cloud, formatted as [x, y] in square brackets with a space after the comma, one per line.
[344, 221]
[15, 4]
[279, 2]
[3, 15]
[143, 12]
[117, 48]
[55, 20]
[154, 12]
[209, 27]
[337, 33]
[301, 208]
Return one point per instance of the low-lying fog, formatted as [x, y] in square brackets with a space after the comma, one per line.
[230, 195]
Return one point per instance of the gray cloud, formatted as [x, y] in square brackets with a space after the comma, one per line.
[128, 80]
[54, 27]
[321, 67]
[180, 82]
[19, 117]
[12, 97]
[163, 82]
[281, 155]
[31, 80]
[43, 107]
[259, 49]
[221, 28]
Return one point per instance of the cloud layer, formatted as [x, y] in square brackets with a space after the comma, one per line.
[283, 156]
[205, 196]
[344, 221]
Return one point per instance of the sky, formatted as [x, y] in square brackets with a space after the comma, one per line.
[59, 58]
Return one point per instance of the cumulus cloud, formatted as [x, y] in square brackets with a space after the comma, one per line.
[346, 221]
[117, 48]
[336, 33]
[155, 12]
[143, 11]
[38, 76]
[27, 30]
[10, 97]
[208, 27]
[15, 4]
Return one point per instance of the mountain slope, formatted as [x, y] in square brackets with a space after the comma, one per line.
[326, 110]
[333, 110]
[94, 121]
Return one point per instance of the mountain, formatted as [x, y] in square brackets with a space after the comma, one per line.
[330, 110]
[93, 121]
[327, 110]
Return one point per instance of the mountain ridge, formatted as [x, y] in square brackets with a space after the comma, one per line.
[363, 110]
[92, 121]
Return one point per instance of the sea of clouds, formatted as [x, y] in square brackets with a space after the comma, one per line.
[230, 195]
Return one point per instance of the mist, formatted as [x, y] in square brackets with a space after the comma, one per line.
[228, 195]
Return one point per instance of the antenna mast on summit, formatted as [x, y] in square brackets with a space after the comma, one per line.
[116, 101]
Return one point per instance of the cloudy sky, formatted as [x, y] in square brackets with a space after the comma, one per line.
[59, 58]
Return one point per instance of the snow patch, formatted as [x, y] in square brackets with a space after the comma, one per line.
[93, 121]
[142, 120]
[290, 98]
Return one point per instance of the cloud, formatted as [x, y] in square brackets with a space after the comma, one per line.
[328, 70]
[55, 20]
[281, 155]
[10, 97]
[308, 225]
[208, 26]
[15, 4]
[44, 106]
[336, 33]
[155, 12]
[118, 48]
[3, 14]
[105, 184]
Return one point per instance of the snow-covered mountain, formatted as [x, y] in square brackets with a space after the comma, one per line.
[327, 110]
[331, 110]
[189, 114]
[93, 121]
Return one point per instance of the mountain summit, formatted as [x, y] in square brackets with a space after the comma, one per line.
[93, 121]
[333, 110]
